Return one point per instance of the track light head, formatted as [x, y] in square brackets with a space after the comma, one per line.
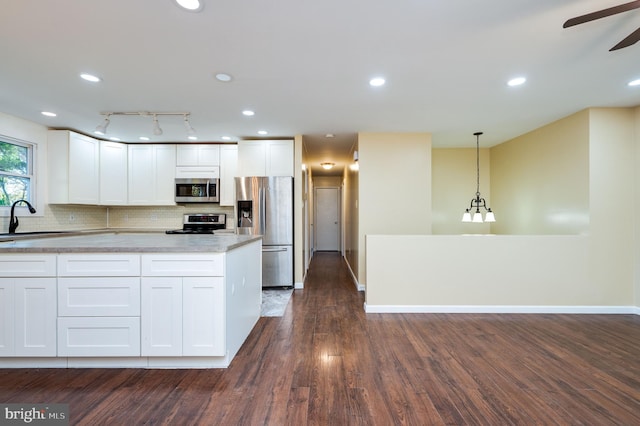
[156, 126]
[101, 129]
[190, 130]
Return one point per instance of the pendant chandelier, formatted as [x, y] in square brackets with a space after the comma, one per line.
[478, 201]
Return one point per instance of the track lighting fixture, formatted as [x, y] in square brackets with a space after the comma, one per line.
[102, 128]
[190, 130]
[156, 126]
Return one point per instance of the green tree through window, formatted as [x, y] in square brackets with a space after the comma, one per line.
[15, 173]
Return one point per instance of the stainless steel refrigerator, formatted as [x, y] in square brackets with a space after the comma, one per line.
[264, 206]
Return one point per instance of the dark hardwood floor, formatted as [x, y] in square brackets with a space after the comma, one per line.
[326, 362]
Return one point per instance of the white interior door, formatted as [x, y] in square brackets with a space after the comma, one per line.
[327, 221]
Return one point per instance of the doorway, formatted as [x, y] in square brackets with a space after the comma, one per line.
[327, 219]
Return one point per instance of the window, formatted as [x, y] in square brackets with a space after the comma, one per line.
[16, 172]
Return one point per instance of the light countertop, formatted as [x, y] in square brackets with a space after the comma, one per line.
[127, 241]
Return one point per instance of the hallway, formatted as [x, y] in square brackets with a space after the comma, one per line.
[326, 362]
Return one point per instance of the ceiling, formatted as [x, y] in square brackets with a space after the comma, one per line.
[304, 67]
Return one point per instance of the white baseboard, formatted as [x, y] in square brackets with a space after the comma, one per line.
[298, 286]
[500, 309]
[359, 286]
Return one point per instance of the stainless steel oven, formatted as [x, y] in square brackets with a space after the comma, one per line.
[197, 190]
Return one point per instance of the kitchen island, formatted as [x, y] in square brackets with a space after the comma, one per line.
[128, 299]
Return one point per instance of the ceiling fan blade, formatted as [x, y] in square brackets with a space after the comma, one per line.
[602, 13]
[627, 41]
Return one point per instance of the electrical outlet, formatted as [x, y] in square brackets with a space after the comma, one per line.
[126, 217]
[72, 217]
[154, 217]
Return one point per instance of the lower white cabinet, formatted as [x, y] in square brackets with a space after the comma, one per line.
[98, 336]
[161, 316]
[183, 314]
[98, 305]
[27, 305]
[28, 315]
[203, 305]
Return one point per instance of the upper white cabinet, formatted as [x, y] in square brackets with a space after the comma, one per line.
[265, 158]
[198, 155]
[152, 171]
[113, 173]
[228, 170]
[74, 168]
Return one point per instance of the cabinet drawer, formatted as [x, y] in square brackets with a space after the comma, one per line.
[91, 265]
[188, 265]
[99, 296]
[27, 265]
[99, 336]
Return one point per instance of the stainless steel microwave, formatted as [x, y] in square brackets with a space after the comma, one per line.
[197, 190]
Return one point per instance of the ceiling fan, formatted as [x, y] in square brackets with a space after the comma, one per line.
[628, 40]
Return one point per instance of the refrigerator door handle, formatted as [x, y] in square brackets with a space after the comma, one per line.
[271, 250]
[208, 183]
[263, 211]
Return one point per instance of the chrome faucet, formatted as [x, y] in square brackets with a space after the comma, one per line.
[13, 222]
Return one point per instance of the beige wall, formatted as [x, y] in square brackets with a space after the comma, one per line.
[394, 186]
[453, 172]
[298, 214]
[595, 271]
[636, 205]
[350, 196]
[540, 180]
[611, 182]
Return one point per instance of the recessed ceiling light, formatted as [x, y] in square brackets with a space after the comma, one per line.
[143, 138]
[190, 5]
[192, 138]
[248, 112]
[223, 77]
[90, 77]
[516, 81]
[377, 82]
[634, 83]
[113, 138]
[49, 114]
[226, 138]
[263, 132]
[329, 135]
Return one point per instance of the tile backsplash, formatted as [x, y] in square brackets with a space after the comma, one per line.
[77, 217]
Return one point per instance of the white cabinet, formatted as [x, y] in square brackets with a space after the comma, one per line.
[198, 155]
[74, 165]
[228, 171]
[161, 331]
[113, 173]
[265, 158]
[28, 317]
[151, 179]
[98, 305]
[183, 305]
[27, 306]
[203, 307]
